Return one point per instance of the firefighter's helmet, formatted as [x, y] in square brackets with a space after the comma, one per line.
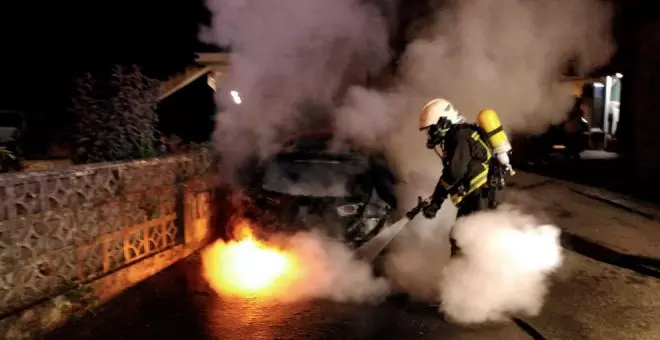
[436, 109]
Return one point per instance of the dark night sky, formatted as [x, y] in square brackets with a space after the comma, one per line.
[54, 45]
[71, 37]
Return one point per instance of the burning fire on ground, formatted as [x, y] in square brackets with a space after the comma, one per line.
[288, 268]
[249, 267]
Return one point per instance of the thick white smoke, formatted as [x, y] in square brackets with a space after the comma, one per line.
[504, 268]
[286, 54]
[507, 55]
[330, 271]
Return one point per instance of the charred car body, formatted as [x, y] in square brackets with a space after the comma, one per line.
[348, 194]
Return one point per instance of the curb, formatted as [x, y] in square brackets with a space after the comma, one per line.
[630, 204]
[647, 210]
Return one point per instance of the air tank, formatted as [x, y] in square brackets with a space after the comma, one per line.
[490, 123]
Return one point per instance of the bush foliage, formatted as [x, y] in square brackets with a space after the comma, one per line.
[115, 116]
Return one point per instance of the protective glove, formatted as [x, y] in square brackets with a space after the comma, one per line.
[431, 209]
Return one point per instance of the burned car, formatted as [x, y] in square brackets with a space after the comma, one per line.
[349, 193]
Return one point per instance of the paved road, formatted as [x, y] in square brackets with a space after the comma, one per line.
[596, 168]
[177, 304]
[600, 293]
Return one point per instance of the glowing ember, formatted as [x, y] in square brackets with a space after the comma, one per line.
[247, 266]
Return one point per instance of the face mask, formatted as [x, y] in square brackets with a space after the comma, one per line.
[434, 137]
[437, 133]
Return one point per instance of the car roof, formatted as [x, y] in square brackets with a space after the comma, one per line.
[318, 141]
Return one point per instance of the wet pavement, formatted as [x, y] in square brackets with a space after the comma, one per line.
[178, 304]
[608, 288]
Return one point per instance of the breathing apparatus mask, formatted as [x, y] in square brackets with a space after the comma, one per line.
[437, 133]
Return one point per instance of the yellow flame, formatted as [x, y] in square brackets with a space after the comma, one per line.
[247, 266]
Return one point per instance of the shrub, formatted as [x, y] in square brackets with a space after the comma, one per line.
[116, 118]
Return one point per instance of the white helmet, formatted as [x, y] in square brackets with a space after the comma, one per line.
[436, 109]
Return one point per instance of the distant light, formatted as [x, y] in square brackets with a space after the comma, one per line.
[599, 85]
[619, 75]
[236, 97]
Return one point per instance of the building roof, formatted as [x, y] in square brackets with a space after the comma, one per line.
[205, 63]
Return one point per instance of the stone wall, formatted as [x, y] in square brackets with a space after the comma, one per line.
[97, 229]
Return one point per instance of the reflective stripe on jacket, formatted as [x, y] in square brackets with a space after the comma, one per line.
[465, 163]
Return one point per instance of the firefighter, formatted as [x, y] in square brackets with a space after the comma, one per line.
[467, 160]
